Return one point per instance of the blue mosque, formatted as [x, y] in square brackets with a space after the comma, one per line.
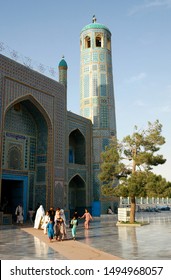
[50, 155]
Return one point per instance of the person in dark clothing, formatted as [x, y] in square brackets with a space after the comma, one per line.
[52, 214]
[76, 215]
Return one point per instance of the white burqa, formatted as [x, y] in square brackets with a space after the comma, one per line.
[62, 214]
[63, 228]
[39, 216]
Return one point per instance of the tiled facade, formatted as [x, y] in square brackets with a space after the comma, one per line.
[35, 128]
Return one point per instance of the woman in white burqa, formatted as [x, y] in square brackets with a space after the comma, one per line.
[39, 216]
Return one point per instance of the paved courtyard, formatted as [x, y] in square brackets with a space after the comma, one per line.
[149, 242]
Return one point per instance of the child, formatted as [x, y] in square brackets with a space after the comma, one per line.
[74, 227]
[46, 220]
[57, 227]
[87, 216]
[50, 230]
[31, 214]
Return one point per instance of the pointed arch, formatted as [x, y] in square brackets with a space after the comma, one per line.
[14, 158]
[77, 145]
[77, 192]
[87, 42]
[99, 39]
[36, 144]
[34, 101]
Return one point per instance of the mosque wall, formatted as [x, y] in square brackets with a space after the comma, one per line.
[32, 127]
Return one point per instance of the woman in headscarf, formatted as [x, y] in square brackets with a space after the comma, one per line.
[39, 217]
[46, 220]
[63, 225]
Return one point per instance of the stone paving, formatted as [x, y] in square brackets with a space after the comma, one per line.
[104, 240]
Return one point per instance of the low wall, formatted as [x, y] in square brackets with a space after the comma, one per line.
[5, 219]
[108, 217]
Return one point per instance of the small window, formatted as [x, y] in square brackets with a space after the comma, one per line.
[98, 41]
[87, 42]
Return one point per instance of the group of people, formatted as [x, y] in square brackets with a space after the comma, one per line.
[19, 213]
[53, 222]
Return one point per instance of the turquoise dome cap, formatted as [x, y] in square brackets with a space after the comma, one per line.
[95, 25]
[63, 63]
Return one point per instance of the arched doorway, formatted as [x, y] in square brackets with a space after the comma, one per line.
[77, 194]
[14, 192]
[25, 154]
[77, 147]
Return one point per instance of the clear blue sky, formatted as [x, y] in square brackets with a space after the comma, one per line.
[141, 50]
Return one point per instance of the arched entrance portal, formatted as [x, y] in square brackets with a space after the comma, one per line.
[25, 155]
[77, 194]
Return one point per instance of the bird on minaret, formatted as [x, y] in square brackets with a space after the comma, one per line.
[94, 19]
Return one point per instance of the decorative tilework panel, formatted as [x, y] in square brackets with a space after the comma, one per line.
[95, 84]
[32, 153]
[86, 69]
[94, 67]
[86, 102]
[102, 57]
[41, 159]
[86, 86]
[86, 112]
[102, 67]
[40, 195]
[95, 116]
[96, 188]
[58, 195]
[87, 58]
[20, 121]
[31, 189]
[103, 85]
[104, 118]
[15, 156]
[95, 56]
[105, 143]
[102, 132]
[41, 174]
[59, 173]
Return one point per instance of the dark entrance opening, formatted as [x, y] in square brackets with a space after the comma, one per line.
[11, 195]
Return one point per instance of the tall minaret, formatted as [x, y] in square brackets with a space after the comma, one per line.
[97, 91]
[63, 72]
[63, 67]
